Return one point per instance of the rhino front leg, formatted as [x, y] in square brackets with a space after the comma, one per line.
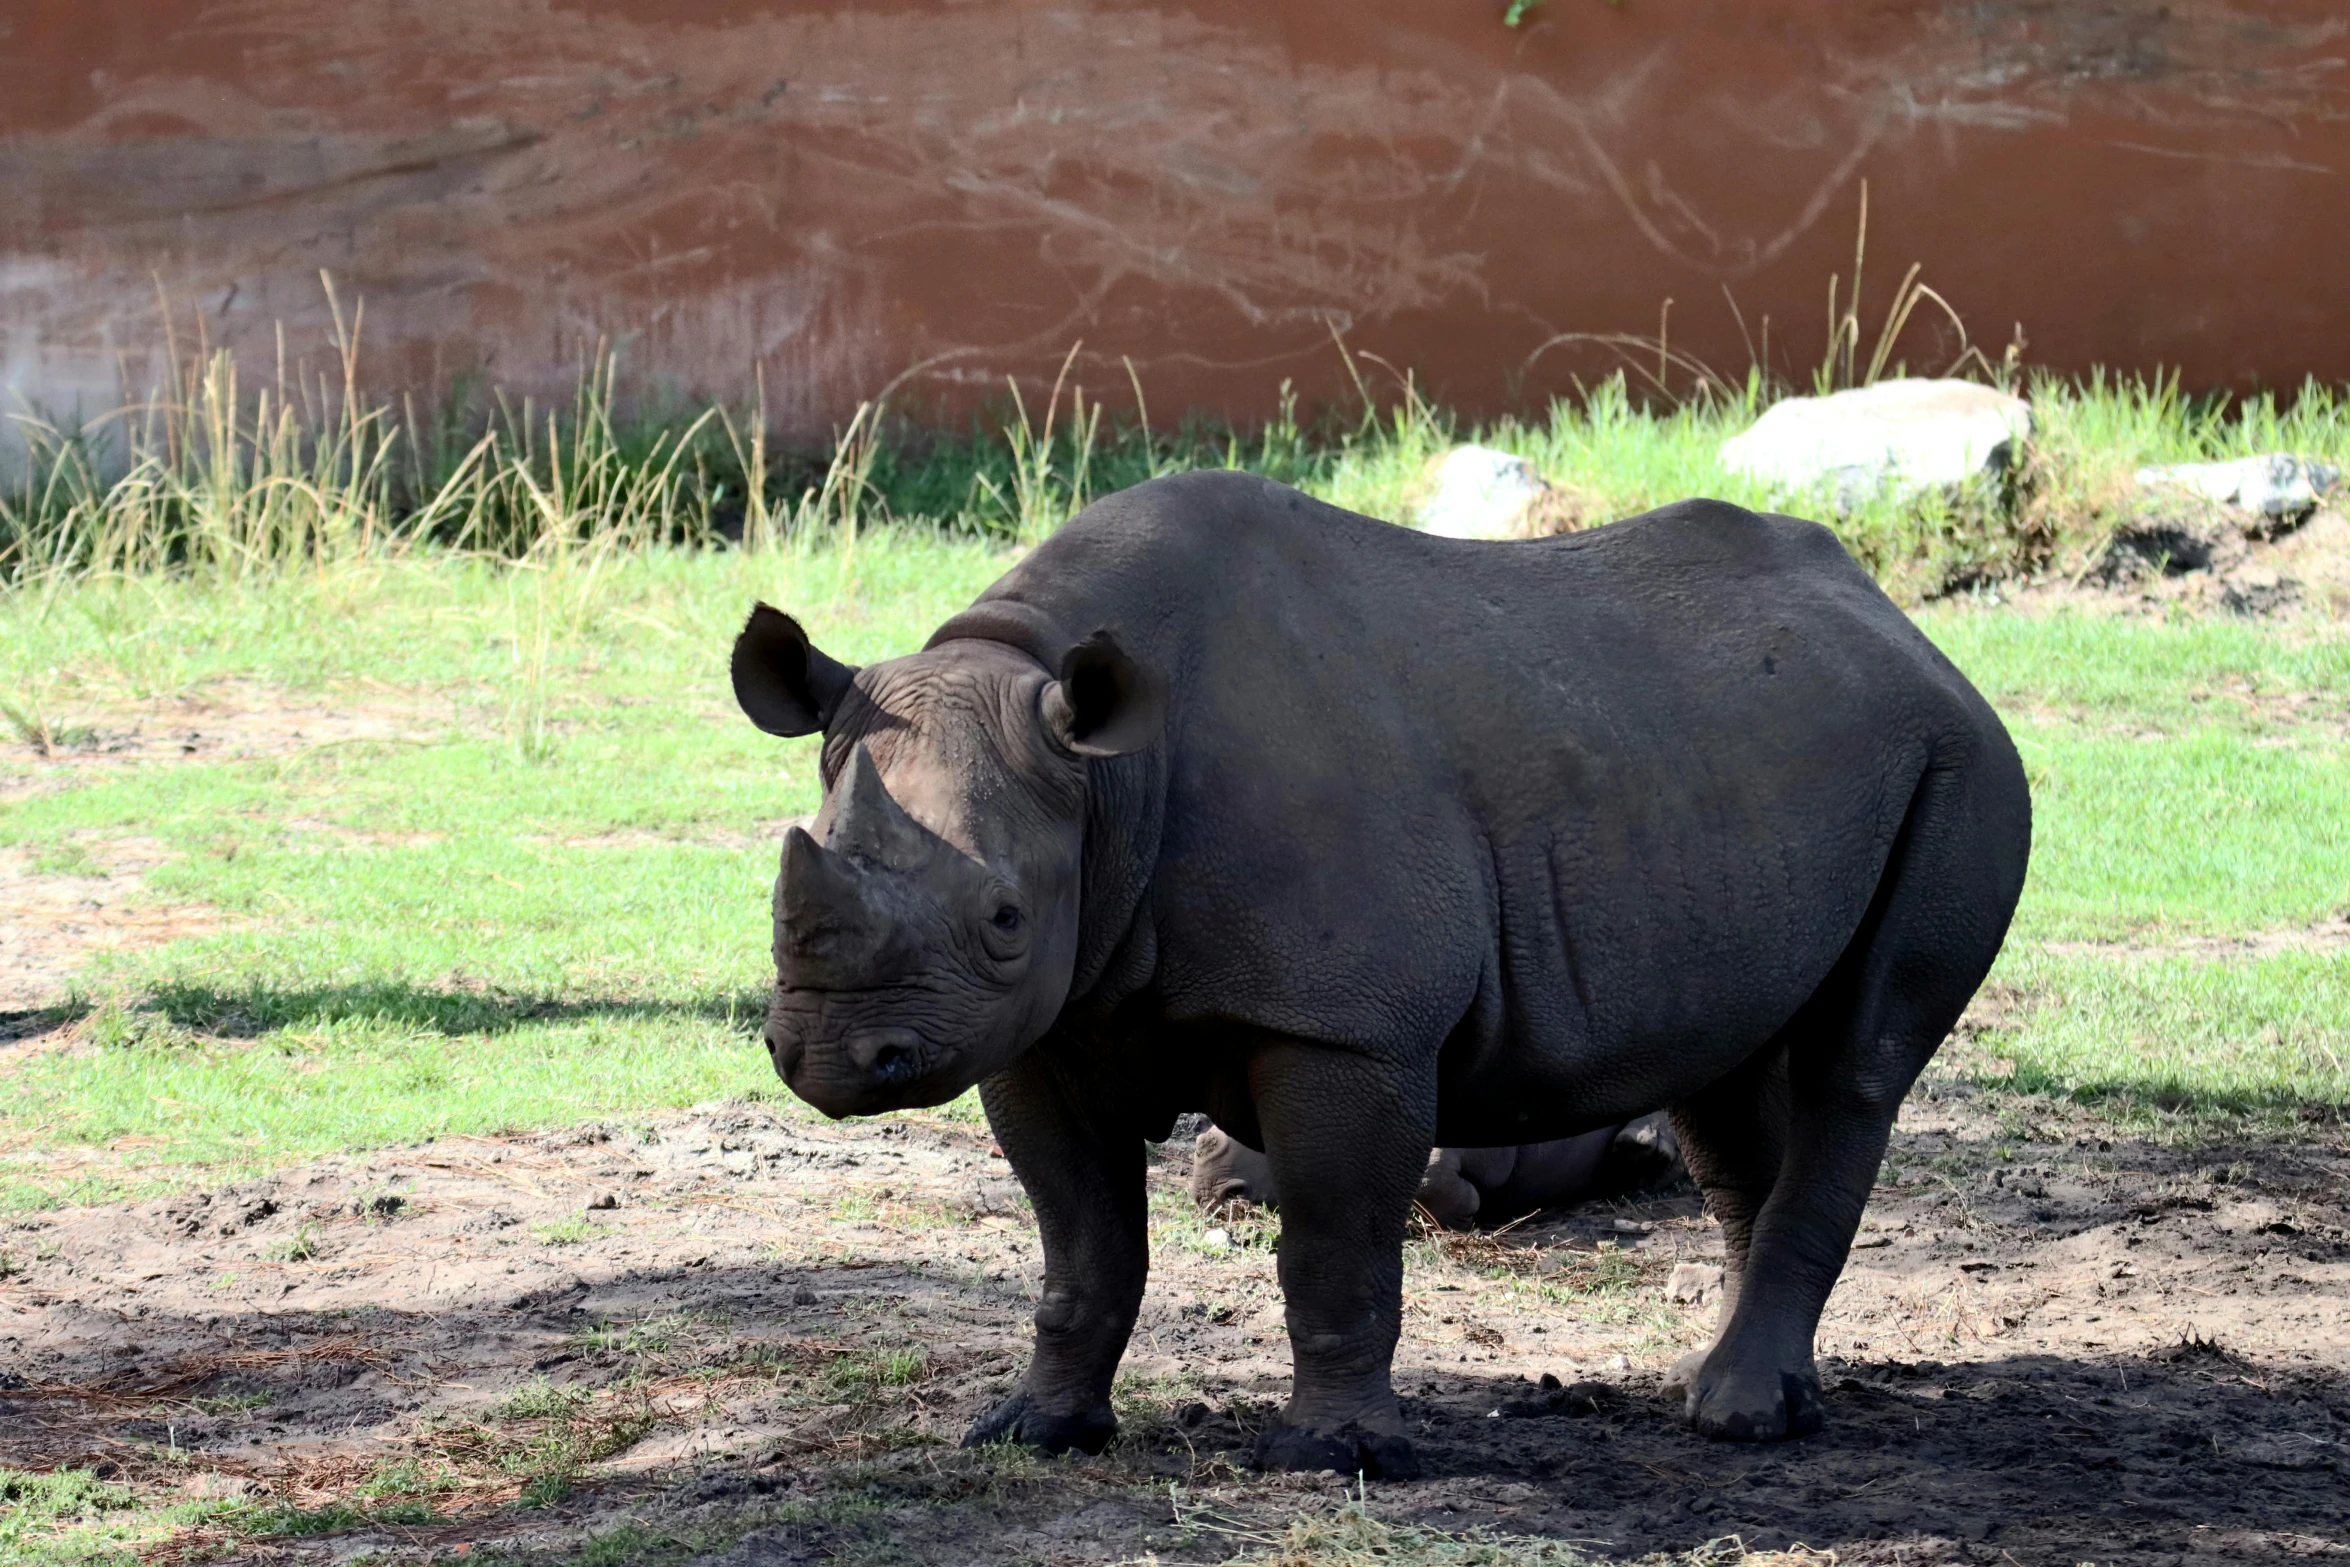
[1348, 1138]
[1087, 1187]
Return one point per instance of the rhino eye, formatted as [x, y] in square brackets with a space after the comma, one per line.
[1007, 919]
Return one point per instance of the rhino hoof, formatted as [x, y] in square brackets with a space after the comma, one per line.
[1376, 1455]
[1017, 1419]
[1768, 1407]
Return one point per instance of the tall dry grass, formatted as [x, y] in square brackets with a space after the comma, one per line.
[213, 474]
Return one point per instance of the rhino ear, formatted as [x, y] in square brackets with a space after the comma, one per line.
[1104, 704]
[784, 684]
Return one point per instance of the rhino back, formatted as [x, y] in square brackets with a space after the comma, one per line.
[1578, 811]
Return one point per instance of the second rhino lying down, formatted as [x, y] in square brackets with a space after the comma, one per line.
[1465, 1187]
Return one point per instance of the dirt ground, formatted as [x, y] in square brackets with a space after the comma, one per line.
[2185, 557]
[740, 1326]
[59, 911]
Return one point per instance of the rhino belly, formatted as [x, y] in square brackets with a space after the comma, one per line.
[1606, 999]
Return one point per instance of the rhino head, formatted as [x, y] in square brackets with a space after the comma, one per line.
[926, 920]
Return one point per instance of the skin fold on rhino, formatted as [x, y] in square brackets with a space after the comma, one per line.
[1364, 843]
[1465, 1187]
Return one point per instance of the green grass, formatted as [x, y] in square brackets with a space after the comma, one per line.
[514, 872]
[572, 910]
[467, 930]
[72, 1517]
[2267, 1033]
[2187, 790]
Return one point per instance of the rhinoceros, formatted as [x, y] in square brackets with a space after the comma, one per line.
[1361, 841]
[1466, 1187]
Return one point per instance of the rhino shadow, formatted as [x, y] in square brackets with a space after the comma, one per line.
[247, 1012]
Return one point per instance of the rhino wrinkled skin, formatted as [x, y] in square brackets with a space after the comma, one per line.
[1362, 842]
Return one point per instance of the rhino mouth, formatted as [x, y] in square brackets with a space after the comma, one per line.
[863, 1071]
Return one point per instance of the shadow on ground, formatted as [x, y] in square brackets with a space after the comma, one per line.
[455, 1010]
[2034, 1459]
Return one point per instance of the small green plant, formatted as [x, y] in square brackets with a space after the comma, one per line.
[865, 1374]
[378, 1206]
[1044, 493]
[113, 1026]
[67, 859]
[539, 1437]
[1520, 10]
[401, 1477]
[539, 1399]
[229, 1403]
[302, 1246]
[854, 1208]
[652, 1336]
[566, 1232]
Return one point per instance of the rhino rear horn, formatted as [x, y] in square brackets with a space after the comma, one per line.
[869, 823]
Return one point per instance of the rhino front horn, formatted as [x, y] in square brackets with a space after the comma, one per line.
[870, 825]
[824, 924]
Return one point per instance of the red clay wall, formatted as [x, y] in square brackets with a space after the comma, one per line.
[840, 192]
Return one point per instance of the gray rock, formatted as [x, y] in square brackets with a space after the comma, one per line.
[1475, 492]
[1896, 437]
[1187, 1127]
[2277, 486]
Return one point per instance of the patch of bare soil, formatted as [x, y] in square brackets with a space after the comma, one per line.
[226, 721]
[2325, 935]
[2050, 1346]
[53, 921]
[2201, 559]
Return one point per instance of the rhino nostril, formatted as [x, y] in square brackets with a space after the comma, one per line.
[893, 1063]
[784, 1052]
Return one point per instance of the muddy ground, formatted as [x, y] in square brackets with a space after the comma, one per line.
[764, 1333]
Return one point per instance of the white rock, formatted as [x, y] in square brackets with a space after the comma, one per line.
[1694, 1283]
[2275, 485]
[1475, 492]
[1896, 436]
[1216, 1240]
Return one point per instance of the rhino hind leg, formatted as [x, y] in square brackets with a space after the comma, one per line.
[1349, 1143]
[1850, 1054]
[1733, 1137]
